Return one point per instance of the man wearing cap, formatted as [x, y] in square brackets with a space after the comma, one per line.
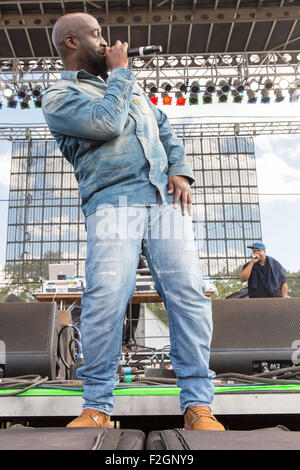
[266, 277]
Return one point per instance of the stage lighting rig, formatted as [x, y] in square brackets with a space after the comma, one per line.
[210, 86]
[37, 90]
[254, 85]
[239, 86]
[181, 87]
[278, 95]
[252, 98]
[25, 103]
[223, 97]
[268, 84]
[283, 84]
[166, 87]
[38, 102]
[7, 92]
[12, 102]
[194, 98]
[236, 97]
[224, 86]
[180, 100]
[23, 91]
[195, 87]
[294, 94]
[152, 87]
[166, 98]
[207, 98]
[265, 98]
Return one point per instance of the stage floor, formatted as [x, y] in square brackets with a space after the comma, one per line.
[155, 401]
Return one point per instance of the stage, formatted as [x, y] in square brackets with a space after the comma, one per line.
[130, 402]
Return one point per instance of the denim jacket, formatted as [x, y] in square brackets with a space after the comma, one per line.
[118, 142]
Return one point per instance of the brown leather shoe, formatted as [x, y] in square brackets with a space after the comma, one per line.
[90, 419]
[200, 418]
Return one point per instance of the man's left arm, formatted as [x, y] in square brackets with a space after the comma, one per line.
[284, 289]
[181, 175]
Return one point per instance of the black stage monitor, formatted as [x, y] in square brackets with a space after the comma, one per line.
[253, 335]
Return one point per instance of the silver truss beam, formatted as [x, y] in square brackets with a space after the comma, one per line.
[184, 130]
[172, 68]
[157, 16]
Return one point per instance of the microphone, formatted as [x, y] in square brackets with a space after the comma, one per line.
[144, 50]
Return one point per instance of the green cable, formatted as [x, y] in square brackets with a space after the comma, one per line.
[152, 391]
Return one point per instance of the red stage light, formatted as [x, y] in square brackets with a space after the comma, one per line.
[181, 101]
[167, 100]
[154, 99]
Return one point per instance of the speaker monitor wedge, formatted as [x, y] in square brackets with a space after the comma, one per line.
[250, 335]
[29, 332]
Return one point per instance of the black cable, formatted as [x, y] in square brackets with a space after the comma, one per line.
[70, 349]
[60, 355]
[255, 379]
[17, 383]
[277, 372]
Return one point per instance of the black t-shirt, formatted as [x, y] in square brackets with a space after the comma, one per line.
[260, 291]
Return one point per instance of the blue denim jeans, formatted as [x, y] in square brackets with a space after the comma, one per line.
[115, 238]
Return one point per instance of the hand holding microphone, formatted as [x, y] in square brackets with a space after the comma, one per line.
[117, 55]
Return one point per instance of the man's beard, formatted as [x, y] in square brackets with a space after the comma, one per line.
[98, 64]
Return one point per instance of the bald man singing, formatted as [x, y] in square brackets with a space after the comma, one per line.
[135, 186]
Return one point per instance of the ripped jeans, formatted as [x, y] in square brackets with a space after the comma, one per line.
[115, 237]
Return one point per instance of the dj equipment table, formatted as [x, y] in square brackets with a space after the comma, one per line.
[67, 299]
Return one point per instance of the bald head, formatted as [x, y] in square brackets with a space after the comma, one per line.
[79, 43]
[70, 24]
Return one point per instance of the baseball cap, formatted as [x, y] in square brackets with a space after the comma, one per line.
[258, 245]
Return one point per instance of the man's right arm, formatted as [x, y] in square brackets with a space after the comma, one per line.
[70, 112]
[247, 270]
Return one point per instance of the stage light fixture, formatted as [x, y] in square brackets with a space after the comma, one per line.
[278, 95]
[207, 98]
[22, 92]
[7, 92]
[152, 87]
[12, 102]
[194, 99]
[180, 100]
[294, 95]
[239, 86]
[195, 87]
[265, 98]
[224, 86]
[253, 85]
[251, 96]
[296, 83]
[210, 86]
[283, 84]
[25, 103]
[38, 102]
[236, 97]
[166, 86]
[167, 100]
[37, 90]
[268, 84]
[223, 97]
[181, 87]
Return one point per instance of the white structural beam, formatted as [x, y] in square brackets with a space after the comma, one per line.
[184, 130]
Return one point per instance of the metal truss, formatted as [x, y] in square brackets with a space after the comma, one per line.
[186, 130]
[173, 69]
